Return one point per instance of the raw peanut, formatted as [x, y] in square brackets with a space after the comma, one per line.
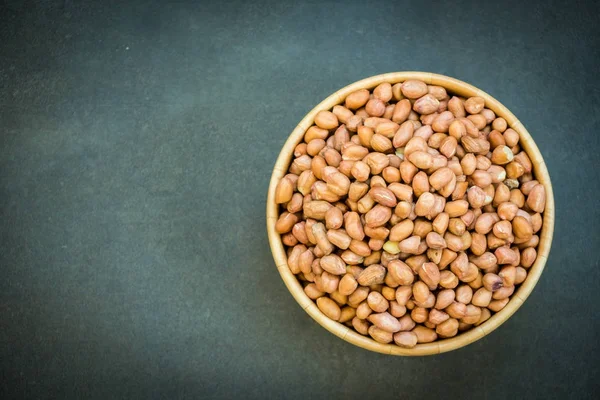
[464, 294]
[365, 134]
[353, 226]
[285, 222]
[492, 282]
[477, 282]
[365, 204]
[360, 248]
[305, 261]
[404, 209]
[381, 143]
[358, 296]
[442, 122]
[444, 298]
[357, 190]
[378, 181]
[323, 243]
[497, 305]
[478, 243]
[284, 191]
[528, 257]
[440, 223]
[520, 275]
[300, 150]
[426, 104]
[457, 130]
[503, 293]
[485, 223]
[447, 257]
[406, 339]
[379, 335]
[347, 285]
[456, 310]
[385, 321]
[295, 204]
[430, 275]
[456, 106]
[456, 208]
[516, 197]
[396, 309]
[511, 137]
[383, 196]
[339, 298]
[420, 184]
[342, 113]
[475, 145]
[354, 152]
[485, 315]
[289, 239]
[360, 325]
[414, 89]
[507, 211]
[388, 292]
[312, 291]
[527, 186]
[377, 303]
[314, 132]
[332, 156]
[502, 155]
[522, 228]
[482, 297]
[400, 272]
[474, 105]
[329, 308]
[387, 130]
[375, 107]
[424, 204]
[419, 314]
[380, 232]
[347, 314]
[377, 162]
[410, 245]
[326, 120]
[476, 197]
[436, 317]
[505, 255]
[424, 335]
[420, 291]
[497, 173]
[435, 241]
[440, 178]
[383, 92]
[377, 216]
[473, 314]
[438, 92]
[316, 209]
[421, 159]
[333, 264]
[524, 160]
[372, 275]
[356, 100]
[435, 140]
[401, 191]
[403, 294]
[391, 174]
[508, 275]
[447, 328]
[536, 200]
[502, 229]
[456, 226]
[500, 125]
[353, 123]
[485, 261]
[397, 92]
[496, 139]
[334, 219]
[401, 111]
[478, 120]
[351, 258]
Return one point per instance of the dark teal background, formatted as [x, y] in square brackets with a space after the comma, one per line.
[137, 143]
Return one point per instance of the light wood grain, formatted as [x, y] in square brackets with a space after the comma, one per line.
[454, 86]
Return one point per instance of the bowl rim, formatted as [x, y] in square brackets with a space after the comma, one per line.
[456, 87]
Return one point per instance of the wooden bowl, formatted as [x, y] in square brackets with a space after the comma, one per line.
[453, 86]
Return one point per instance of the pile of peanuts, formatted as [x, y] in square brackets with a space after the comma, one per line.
[409, 214]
